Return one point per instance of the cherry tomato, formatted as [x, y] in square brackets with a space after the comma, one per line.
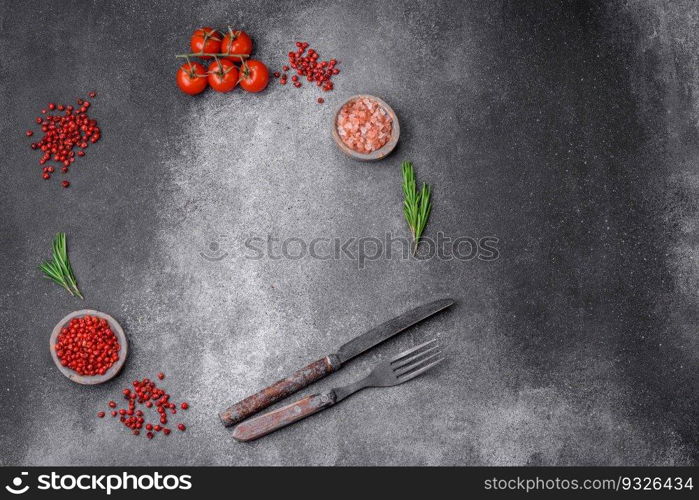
[236, 42]
[191, 78]
[223, 75]
[205, 40]
[254, 76]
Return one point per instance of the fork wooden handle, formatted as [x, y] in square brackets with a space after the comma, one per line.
[270, 422]
[279, 390]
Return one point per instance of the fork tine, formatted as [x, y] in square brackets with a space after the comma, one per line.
[420, 371]
[410, 351]
[406, 361]
[416, 364]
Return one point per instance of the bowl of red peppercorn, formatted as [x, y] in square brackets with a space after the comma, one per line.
[89, 347]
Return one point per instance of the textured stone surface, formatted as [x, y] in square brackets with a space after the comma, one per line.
[569, 131]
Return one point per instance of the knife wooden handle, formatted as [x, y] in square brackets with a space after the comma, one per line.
[279, 390]
[270, 422]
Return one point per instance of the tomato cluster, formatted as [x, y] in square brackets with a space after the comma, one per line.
[223, 75]
[88, 346]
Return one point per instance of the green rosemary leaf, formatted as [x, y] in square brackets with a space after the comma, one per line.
[58, 269]
[416, 203]
[50, 272]
[54, 274]
[63, 254]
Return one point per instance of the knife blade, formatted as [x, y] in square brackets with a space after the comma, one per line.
[386, 330]
[330, 363]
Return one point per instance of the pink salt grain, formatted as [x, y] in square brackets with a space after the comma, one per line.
[364, 125]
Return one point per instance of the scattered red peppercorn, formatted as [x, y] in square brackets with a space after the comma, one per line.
[321, 100]
[145, 392]
[100, 414]
[305, 61]
[63, 132]
[182, 427]
[65, 184]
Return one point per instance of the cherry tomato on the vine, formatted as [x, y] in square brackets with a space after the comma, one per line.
[223, 75]
[236, 42]
[205, 41]
[192, 78]
[254, 76]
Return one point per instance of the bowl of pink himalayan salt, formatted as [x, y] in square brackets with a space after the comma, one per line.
[365, 128]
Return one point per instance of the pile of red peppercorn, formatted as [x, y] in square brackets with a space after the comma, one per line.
[306, 63]
[146, 393]
[62, 133]
[87, 345]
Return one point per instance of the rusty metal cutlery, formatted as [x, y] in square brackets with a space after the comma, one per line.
[330, 363]
[405, 366]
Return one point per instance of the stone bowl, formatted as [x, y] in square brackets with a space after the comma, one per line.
[95, 379]
[380, 153]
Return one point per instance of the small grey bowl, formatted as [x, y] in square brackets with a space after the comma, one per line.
[374, 155]
[95, 379]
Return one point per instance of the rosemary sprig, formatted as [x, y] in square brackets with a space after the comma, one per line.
[58, 269]
[416, 203]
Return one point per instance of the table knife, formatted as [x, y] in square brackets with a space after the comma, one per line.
[330, 363]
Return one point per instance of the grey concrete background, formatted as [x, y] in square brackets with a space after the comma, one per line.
[566, 129]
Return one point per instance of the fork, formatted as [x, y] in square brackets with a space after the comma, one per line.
[405, 366]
